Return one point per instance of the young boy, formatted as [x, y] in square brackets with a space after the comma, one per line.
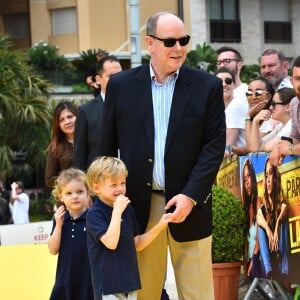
[113, 233]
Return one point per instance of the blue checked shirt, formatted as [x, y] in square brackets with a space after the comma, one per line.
[162, 94]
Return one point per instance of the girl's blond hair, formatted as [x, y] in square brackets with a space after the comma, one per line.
[65, 177]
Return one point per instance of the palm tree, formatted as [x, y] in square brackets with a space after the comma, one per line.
[24, 114]
[203, 57]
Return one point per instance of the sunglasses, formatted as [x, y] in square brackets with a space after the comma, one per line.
[258, 94]
[228, 80]
[170, 42]
[274, 103]
[226, 61]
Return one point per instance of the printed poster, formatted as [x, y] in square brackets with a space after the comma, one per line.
[271, 196]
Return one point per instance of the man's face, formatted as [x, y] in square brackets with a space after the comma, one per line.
[109, 68]
[295, 80]
[228, 59]
[166, 60]
[273, 69]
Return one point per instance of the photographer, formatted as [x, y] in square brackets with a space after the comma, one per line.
[20, 203]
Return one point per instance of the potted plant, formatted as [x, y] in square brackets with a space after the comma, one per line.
[228, 242]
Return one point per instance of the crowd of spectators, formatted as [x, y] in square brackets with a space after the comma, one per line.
[268, 105]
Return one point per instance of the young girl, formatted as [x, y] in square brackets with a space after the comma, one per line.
[68, 238]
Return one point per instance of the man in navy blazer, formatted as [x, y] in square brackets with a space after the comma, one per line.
[167, 123]
[88, 122]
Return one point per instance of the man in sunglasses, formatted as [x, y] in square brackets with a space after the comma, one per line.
[291, 146]
[167, 123]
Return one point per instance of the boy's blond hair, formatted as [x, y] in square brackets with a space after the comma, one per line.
[65, 177]
[105, 167]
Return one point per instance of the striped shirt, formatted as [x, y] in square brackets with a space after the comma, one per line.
[295, 117]
[162, 94]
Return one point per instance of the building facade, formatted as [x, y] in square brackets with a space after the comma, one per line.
[251, 26]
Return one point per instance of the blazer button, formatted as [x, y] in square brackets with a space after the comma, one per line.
[150, 160]
[149, 184]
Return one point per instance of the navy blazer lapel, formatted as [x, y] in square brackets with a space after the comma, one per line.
[145, 103]
[180, 99]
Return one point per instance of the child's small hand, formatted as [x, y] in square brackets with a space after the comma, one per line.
[59, 215]
[121, 203]
[165, 219]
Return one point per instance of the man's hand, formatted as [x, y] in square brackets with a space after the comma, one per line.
[183, 206]
[279, 152]
[13, 185]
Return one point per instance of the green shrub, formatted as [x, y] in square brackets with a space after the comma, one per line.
[40, 210]
[249, 72]
[81, 88]
[229, 226]
[203, 57]
[45, 58]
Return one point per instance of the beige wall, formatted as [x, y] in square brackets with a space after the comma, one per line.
[40, 15]
[84, 29]
[100, 24]
[108, 24]
[55, 4]
[105, 24]
[40, 21]
[67, 43]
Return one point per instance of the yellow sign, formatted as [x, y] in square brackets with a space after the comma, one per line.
[27, 272]
[229, 176]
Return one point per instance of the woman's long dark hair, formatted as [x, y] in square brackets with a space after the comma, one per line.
[250, 200]
[58, 135]
[276, 196]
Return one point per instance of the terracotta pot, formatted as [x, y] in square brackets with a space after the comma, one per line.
[226, 280]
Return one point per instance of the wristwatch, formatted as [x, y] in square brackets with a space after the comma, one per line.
[290, 149]
[228, 148]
